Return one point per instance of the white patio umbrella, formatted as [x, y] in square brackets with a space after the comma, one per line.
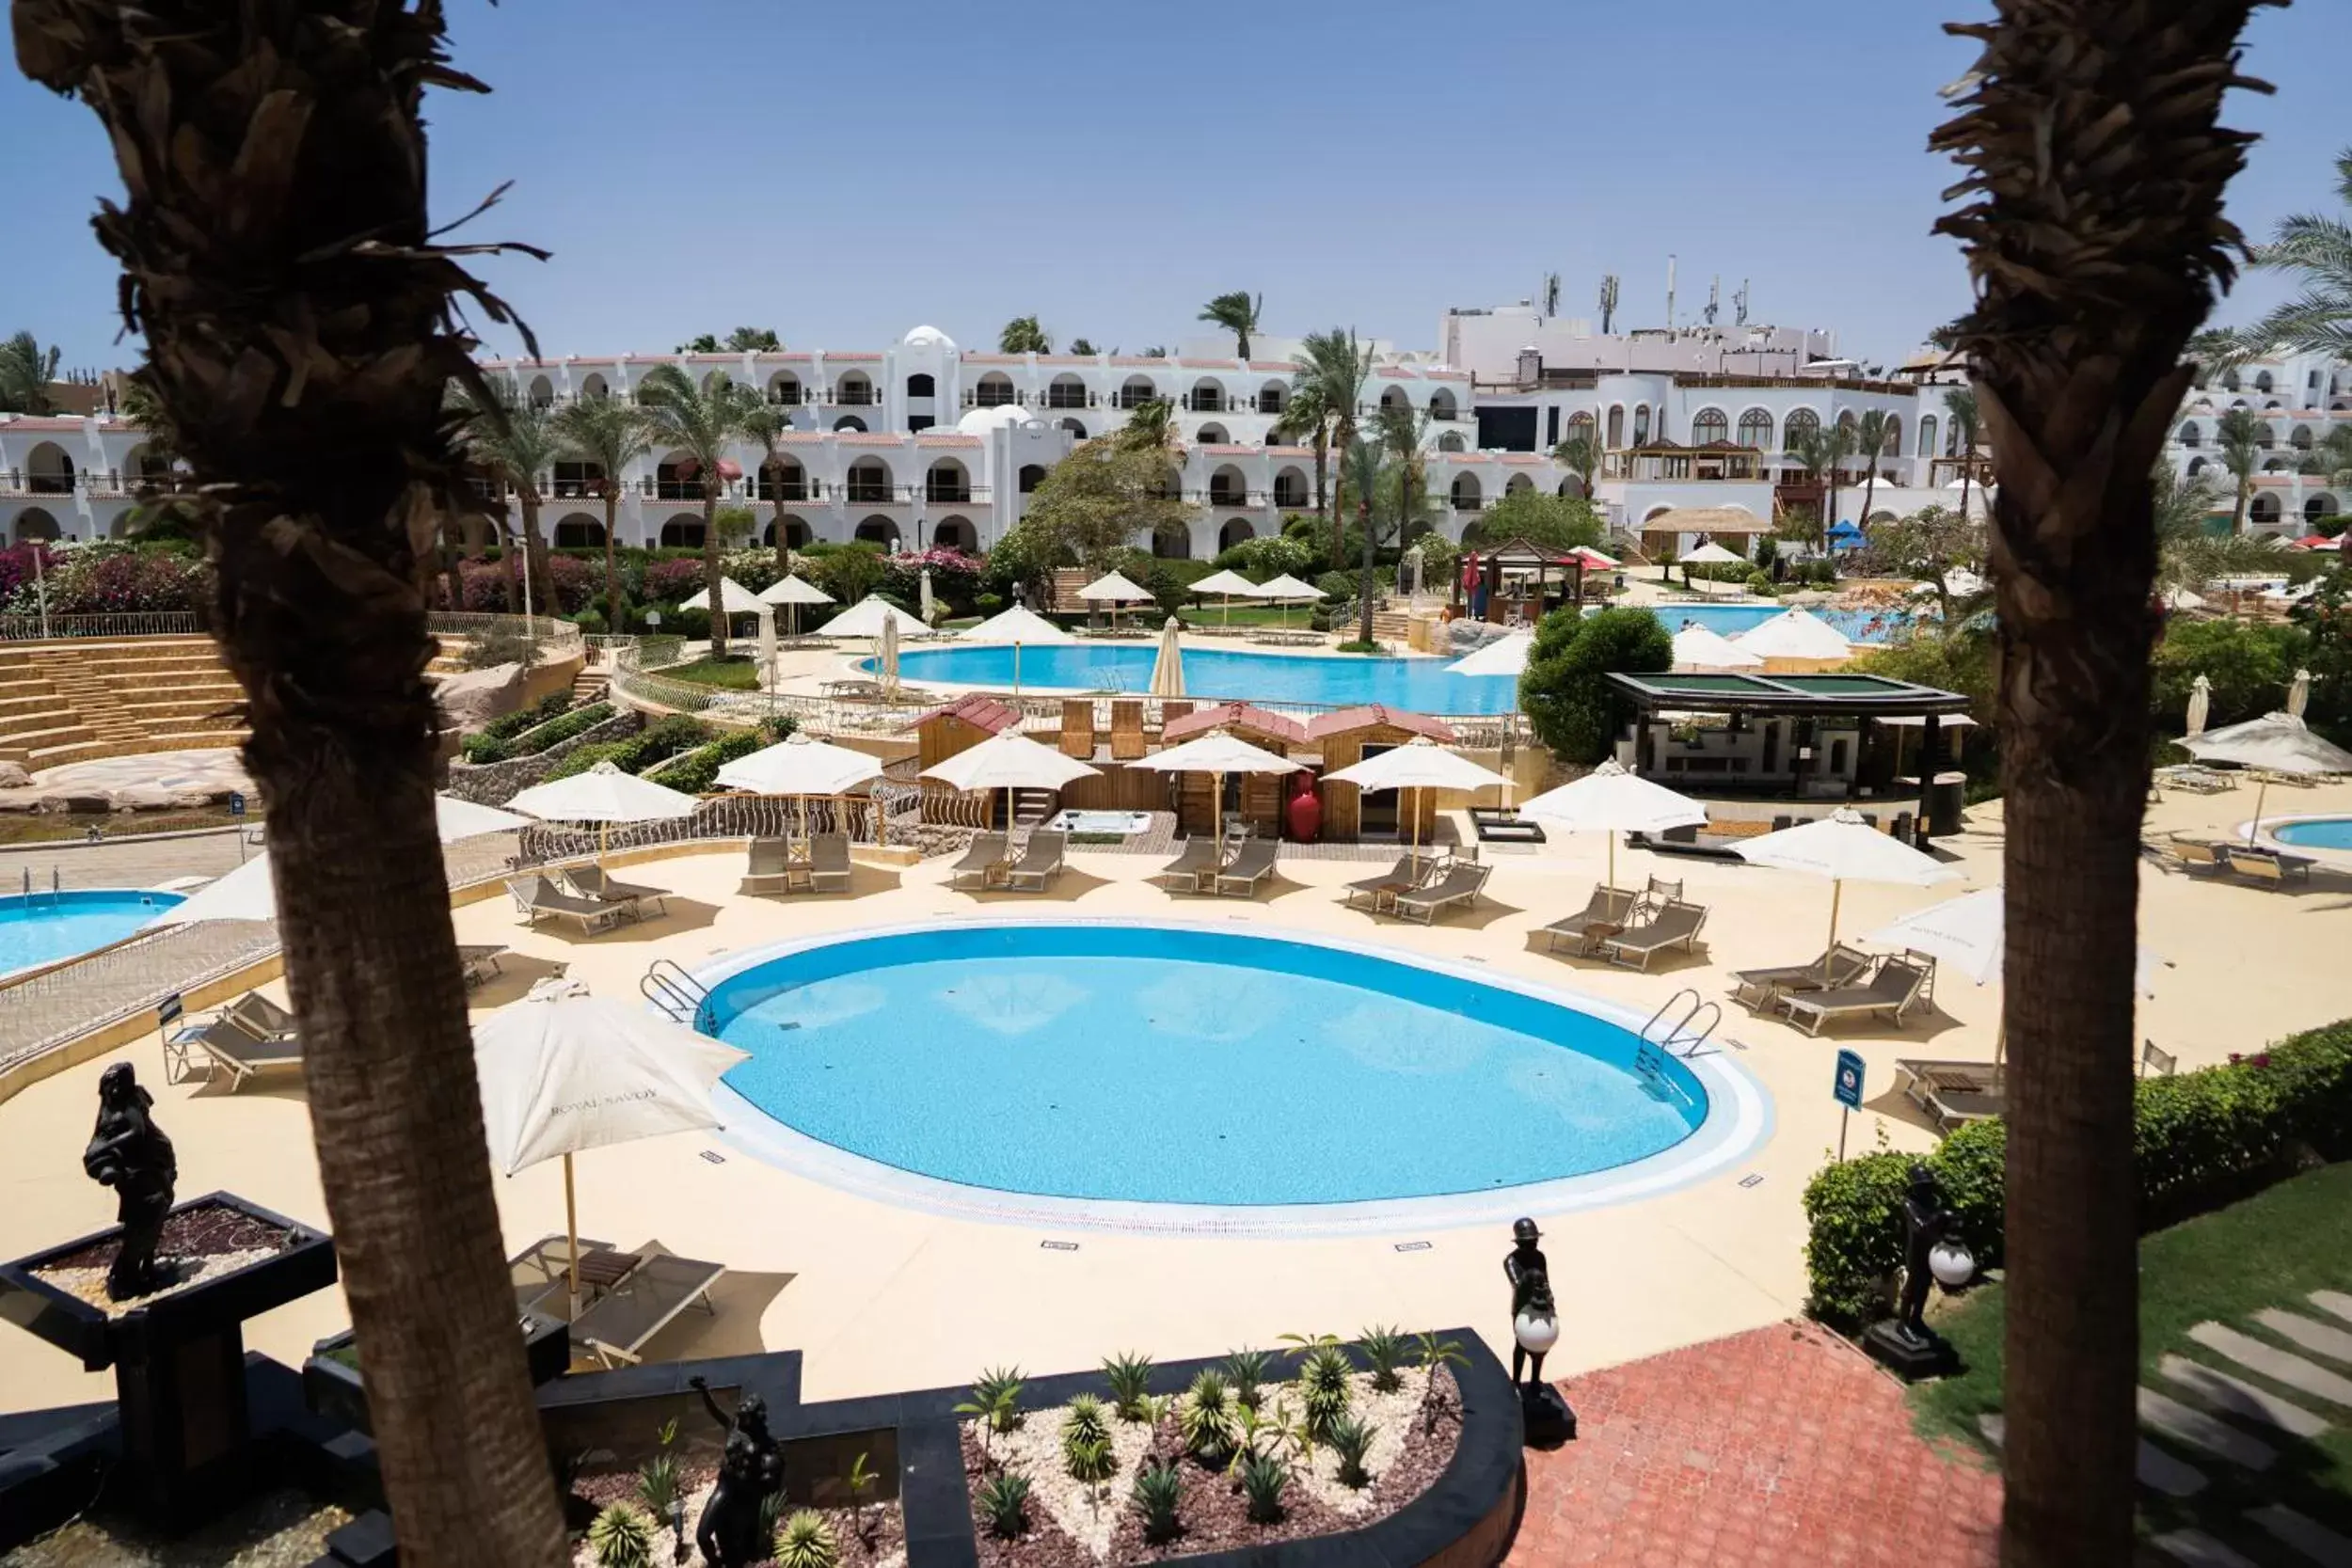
[2275, 743]
[1229, 586]
[1594, 559]
[799, 764]
[1017, 626]
[866, 618]
[1287, 591]
[1218, 754]
[603, 795]
[247, 893]
[563, 1071]
[1167, 665]
[1794, 634]
[1505, 655]
[2298, 694]
[1009, 760]
[738, 599]
[1712, 554]
[793, 593]
[1611, 800]
[2199, 705]
[886, 656]
[1114, 590]
[1420, 763]
[926, 605]
[1844, 848]
[1698, 647]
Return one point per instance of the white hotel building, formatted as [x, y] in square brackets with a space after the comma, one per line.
[925, 443]
[2298, 398]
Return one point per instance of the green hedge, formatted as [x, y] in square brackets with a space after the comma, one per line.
[537, 737]
[697, 771]
[2199, 1139]
[657, 742]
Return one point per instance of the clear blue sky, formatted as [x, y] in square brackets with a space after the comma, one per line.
[842, 173]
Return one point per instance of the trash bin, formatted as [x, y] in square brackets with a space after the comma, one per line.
[1945, 799]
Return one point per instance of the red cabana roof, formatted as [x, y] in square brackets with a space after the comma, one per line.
[980, 711]
[1379, 713]
[1201, 721]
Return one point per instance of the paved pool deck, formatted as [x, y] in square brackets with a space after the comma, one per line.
[880, 1297]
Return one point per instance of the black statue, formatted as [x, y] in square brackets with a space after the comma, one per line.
[1926, 1223]
[129, 1152]
[1531, 1302]
[750, 1468]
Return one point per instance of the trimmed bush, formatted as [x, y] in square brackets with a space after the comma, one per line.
[2200, 1138]
[697, 771]
[1564, 691]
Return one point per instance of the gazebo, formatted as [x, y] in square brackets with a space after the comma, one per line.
[1497, 578]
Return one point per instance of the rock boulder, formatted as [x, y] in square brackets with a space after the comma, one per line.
[472, 699]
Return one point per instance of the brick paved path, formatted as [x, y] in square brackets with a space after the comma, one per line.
[1780, 1447]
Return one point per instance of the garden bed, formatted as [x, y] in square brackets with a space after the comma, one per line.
[201, 1241]
[873, 1536]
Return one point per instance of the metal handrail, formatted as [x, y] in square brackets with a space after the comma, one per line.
[679, 995]
[1674, 1035]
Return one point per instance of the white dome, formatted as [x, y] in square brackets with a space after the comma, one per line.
[927, 337]
[1003, 416]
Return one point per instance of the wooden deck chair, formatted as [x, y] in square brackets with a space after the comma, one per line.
[1077, 727]
[1127, 742]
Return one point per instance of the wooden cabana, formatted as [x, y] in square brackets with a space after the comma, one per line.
[1342, 738]
[1253, 798]
[958, 726]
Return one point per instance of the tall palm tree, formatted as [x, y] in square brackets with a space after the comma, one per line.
[1821, 450]
[610, 434]
[1238, 314]
[1580, 455]
[1960, 406]
[1404, 437]
[1870, 443]
[2318, 249]
[766, 423]
[1337, 367]
[703, 420]
[301, 329]
[1362, 470]
[2239, 436]
[1306, 414]
[26, 372]
[2095, 238]
[515, 441]
[1023, 335]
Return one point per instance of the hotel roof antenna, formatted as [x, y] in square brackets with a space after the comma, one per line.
[1669, 292]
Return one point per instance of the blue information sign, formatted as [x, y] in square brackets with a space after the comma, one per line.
[1849, 1085]
[236, 803]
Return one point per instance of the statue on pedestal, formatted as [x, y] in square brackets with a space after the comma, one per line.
[750, 1468]
[1534, 1317]
[1926, 1223]
[129, 1152]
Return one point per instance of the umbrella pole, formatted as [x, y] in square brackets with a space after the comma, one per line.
[1016, 667]
[571, 1231]
[1612, 858]
[604, 836]
[1837, 888]
[1216, 808]
[2262, 792]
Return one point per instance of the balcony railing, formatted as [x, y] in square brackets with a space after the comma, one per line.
[855, 397]
[794, 490]
[785, 397]
[1136, 397]
[1215, 496]
[861, 494]
[674, 489]
[1212, 404]
[1069, 397]
[990, 397]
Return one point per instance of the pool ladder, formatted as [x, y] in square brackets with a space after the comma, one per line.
[1680, 1030]
[56, 885]
[679, 995]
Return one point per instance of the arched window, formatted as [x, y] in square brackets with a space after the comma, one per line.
[594, 387]
[869, 481]
[956, 534]
[2264, 509]
[2229, 381]
[1927, 435]
[1641, 424]
[1518, 484]
[796, 534]
[1442, 407]
[542, 393]
[1801, 424]
[48, 470]
[2301, 438]
[2319, 507]
[2261, 381]
[1393, 397]
[715, 380]
[1032, 475]
[671, 482]
[2196, 467]
[1215, 435]
[682, 533]
[1207, 398]
[1172, 542]
[1710, 426]
[1617, 425]
[854, 390]
[577, 531]
[1136, 391]
[947, 482]
[1228, 489]
[1235, 531]
[878, 531]
[1451, 442]
[794, 485]
[1067, 391]
[1273, 397]
[1290, 489]
[992, 390]
[1580, 424]
[920, 384]
[1572, 488]
[1466, 495]
[1075, 427]
[1893, 444]
[784, 389]
[1755, 429]
[848, 422]
[33, 522]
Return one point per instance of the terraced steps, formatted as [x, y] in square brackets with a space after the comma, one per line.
[79, 701]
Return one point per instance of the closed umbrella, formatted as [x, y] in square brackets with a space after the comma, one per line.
[1611, 800]
[1167, 665]
[1217, 753]
[886, 657]
[1844, 848]
[1420, 763]
[604, 795]
[2199, 705]
[1505, 655]
[2275, 743]
[563, 1071]
[247, 892]
[1009, 761]
[926, 606]
[2299, 695]
[1016, 625]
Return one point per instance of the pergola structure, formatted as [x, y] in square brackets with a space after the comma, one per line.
[1503, 573]
[1801, 735]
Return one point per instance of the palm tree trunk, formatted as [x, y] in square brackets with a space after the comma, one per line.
[2095, 236]
[537, 588]
[1322, 489]
[710, 562]
[2237, 513]
[1870, 493]
[279, 261]
[454, 580]
[1342, 436]
[1967, 468]
[615, 620]
[1364, 580]
[514, 605]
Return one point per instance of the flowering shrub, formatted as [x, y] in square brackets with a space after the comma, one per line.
[955, 577]
[107, 580]
[668, 581]
[16, 567]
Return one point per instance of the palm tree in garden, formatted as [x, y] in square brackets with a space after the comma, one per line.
[1960, 406]
[1149, 424]
[1580, 455]
[1238, 314]
[1363, 471]
[1306, 414]
[26, 372]
[300, 327]
[1336, 367]
[2239, 435]
[702, 421]
[1023, 335]
[766, 423]
[610, 434]
[1821, 450]
[2095, 238]
[2318, 249]
[514, 440]
[1870, 443]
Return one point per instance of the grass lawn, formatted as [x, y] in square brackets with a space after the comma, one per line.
[1210, 613]
[2267, 1251]
[733, 674]
[55, 827]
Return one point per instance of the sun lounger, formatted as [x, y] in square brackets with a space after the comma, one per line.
[1041, 861]
[1408, 872]
[615, 1328]
[1892, 990]
[2261, 865]
[1608, 907]
[1202, 856]
[829, 862]
[1252, 864]
[235, 1048]
[1675, 924]
[479, 962]
[2193, 857]
[1459, 884]
[1077, 727]
[767, 866]
[537, 894]
[260, 1016]
[1127, 742]
[1760, 990]
[2153, 1060]
[980, 862]
[591, 882]
[1951, 1093]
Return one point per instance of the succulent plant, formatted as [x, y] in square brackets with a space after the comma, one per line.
[1159, 1492]
[1247, 1369]
[1263, 1480]
[1130, 1378]
[1384, 1350]
[621, 1537]
[1350, 1438]
[658, 1484]
[1325, 1378]
[806, 1541]
[1090, 1462]
[1206, 1418]
[1005, 1504]
[1088, 1421]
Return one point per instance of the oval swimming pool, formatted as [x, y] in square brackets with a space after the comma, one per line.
[41, 927]
[1415, 685]
[1147, 1064]
[2315, 832]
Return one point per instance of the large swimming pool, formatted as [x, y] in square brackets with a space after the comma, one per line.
[2315, 832]
[1730, 620]
[1146, 1064]
[42, 927]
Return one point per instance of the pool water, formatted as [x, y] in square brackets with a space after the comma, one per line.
[1730, 620]
[2319, 833]
[1414, 685]
[1151, 1064]
[42, 927]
